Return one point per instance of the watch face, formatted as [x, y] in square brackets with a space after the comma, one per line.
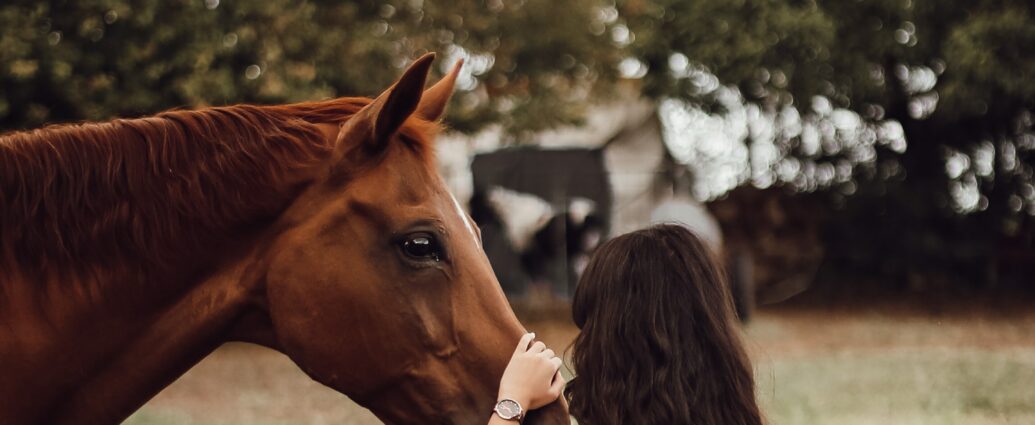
[508, 409]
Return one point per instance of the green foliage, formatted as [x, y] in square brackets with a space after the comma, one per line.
[734, 40]
[954, 74]
[97, 59]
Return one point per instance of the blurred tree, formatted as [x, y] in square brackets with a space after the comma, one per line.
[914, 117]
[950, 77]
[63, 60]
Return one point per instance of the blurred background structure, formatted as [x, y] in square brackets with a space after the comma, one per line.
[837, 153]
[905, 124]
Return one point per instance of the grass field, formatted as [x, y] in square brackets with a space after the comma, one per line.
[874, 369]
[812, 367]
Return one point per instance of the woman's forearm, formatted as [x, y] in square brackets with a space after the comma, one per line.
[496, 420]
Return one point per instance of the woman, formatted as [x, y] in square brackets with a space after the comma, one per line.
[659, 341]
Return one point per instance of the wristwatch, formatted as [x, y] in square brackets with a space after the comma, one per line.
[509, 410]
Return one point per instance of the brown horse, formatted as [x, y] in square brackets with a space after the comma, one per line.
[130, 250]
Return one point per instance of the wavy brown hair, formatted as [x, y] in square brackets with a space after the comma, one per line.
[660, 342]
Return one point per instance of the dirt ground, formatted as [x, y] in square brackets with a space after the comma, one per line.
[813, 366]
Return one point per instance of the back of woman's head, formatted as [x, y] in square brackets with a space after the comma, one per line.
[659, 342]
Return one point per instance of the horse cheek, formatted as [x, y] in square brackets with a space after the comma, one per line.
[312, 309]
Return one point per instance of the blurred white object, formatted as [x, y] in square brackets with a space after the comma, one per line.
[579, 209]
[694, 216]
[522, 214]
[631, 134]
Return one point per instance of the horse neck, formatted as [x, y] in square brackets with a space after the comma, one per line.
[155, 313]
[156, 334]
[196, 323]
[153, 193]
[134, 211]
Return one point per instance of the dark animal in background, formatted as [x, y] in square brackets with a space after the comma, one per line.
[541, 211]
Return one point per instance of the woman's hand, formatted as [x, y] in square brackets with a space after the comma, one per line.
[533, 376]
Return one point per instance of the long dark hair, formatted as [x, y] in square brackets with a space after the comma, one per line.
[659, 341]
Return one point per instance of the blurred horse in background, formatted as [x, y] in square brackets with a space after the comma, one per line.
[130, 250]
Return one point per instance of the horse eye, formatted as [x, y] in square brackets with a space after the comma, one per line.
[421, 247]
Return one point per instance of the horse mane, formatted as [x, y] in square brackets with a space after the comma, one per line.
[154, 189]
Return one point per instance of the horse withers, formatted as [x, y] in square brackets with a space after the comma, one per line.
[130, 250]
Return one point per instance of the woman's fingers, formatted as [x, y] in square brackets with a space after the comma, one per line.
[532, 375]
[556, 386]
[522, 345]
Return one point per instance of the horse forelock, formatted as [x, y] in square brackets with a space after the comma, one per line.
[151, 189]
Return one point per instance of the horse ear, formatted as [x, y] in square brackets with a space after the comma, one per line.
[433, 104]
[391, 109]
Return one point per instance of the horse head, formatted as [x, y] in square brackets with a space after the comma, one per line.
[376, 284]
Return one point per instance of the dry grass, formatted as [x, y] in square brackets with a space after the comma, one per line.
[813, 367]
[872, 368]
